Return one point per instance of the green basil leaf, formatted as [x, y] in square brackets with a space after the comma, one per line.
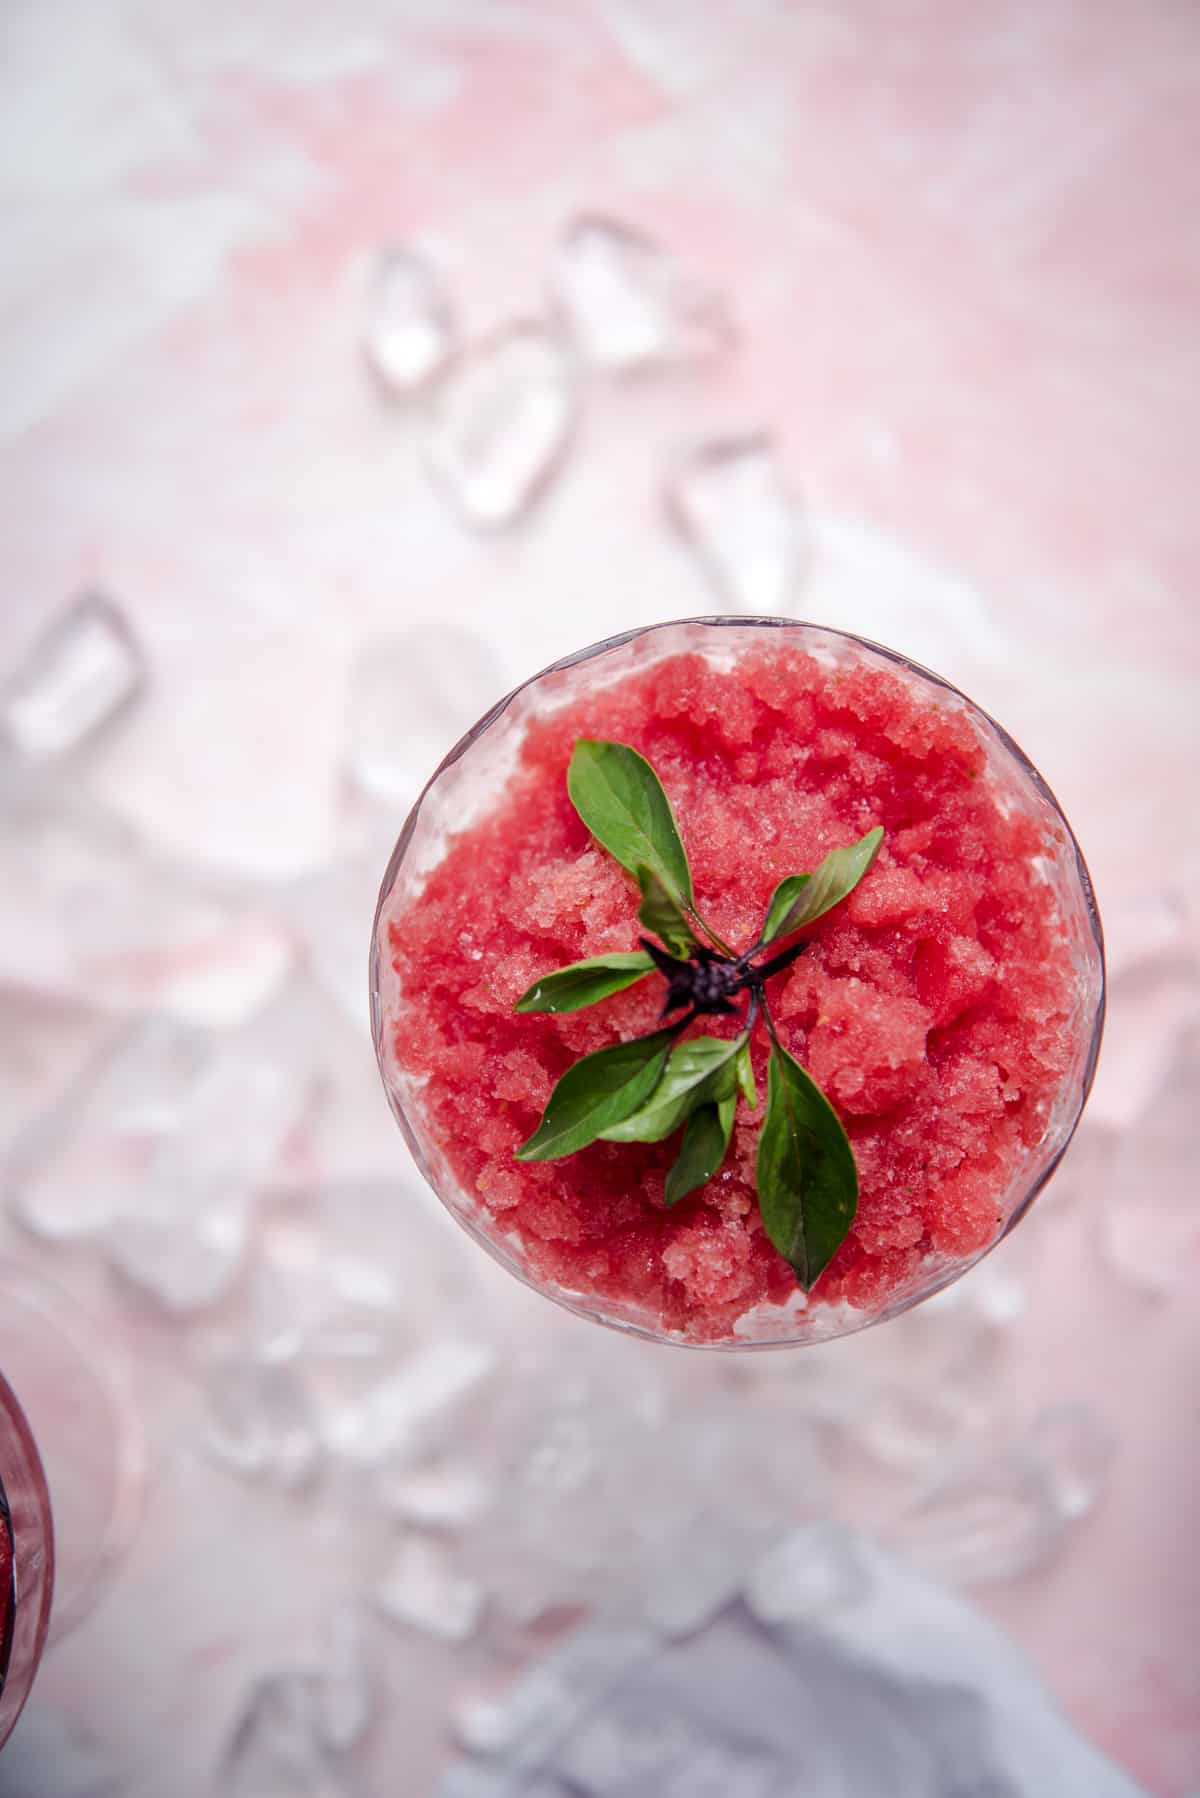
[803, 898]
[663, 914]
[782, 901]
[745, 1075]
[584, 982]
[805, 1173]
[620, 798]
[595, 1092]
[704, 1067]
[703, 1149]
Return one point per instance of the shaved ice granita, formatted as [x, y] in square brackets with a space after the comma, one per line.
[841, 998]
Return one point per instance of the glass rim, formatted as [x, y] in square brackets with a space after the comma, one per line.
[31, 1536]
[581, 1307]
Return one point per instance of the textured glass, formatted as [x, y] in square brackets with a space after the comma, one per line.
[473, 774]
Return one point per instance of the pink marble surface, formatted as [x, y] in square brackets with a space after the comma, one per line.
[961, 246]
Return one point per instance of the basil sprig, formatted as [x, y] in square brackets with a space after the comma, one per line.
[805, 1172]
[620, 798]
[664, 915]
[703, 1149]
[647, 1089]
[803, 898]
[585, 982]
[702, 1068]
[598, 1091]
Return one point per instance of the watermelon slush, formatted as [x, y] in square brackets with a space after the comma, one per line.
[944, 1007]
[6, 1582]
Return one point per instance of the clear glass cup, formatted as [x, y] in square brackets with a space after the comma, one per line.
[27, 1535]
[75, 1390]
[474, 773]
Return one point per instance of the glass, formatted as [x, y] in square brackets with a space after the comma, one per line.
[25, 1530]
[74, 1389]
[474, 773]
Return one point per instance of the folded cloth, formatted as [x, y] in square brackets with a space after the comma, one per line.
[899, 1689]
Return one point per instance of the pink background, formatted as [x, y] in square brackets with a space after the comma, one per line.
[961, 245]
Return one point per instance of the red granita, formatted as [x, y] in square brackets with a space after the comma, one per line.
[938, 1007]
[5, 1583]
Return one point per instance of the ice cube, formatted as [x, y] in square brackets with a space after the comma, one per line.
[276, 1750]
[236, 965]
[878, 585]
[730, 503]
[1076, 1448]
[422, 1590]
[180, 1242]
[811, 1572]
[900, 1403]
[408, 327]
[397, 1415]
[411, 697]
[343, 1690]
[630, 304]
[45, 1045]
[313, 1296]
[86, 908]
[1152, 1010]
[998, 1295]
[1149, 1224]
[1144, 928]
[261, 1424]
[495, 1726]
[80, 673]
[563, 1535]
[445, 1496]
[1084, 1174]
[180, 1232]
[538, 1710]
[910, 1431]
[325, 912]
[500, 422]
[986, 1521]
[945, 1350]
[765, 1470]
[576, 1433]
[68, 1172]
